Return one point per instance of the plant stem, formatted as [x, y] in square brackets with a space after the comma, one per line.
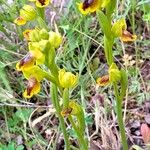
[65, 98]
[81, 140]
[120, 117]
[54, 96]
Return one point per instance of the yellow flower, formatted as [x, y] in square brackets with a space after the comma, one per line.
[20, 21]
[33, 87]
[26, 34]
[26, 62]
[41, 3]
[67, 79]
[32, 58]
[103, 81]
[89, 6]
[66, 112]
[127, 36]
[119, 29]
[34, 75]
[28, 12]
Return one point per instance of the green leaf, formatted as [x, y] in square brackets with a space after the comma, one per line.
[105, 24]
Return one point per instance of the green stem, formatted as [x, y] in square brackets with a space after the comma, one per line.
[120, 117]
[54, 97]
[65, 98]
[108, 43]
[83, 144]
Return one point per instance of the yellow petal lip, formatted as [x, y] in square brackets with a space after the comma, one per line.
[42, 3]
[20, 21]
[33, 87]
[25, 62]
[89, 6]
[128, 37]
[103, 81]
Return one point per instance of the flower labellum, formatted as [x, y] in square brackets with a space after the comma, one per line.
[25, 62]
[20, 21]
[42, 3]
[103, 81]
[33, 87]
[127, 36]
[89, 6]
[26, 34]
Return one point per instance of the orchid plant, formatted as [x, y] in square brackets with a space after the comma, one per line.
[40, 63]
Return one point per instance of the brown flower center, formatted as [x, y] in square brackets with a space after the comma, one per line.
[66, 112]
[104, 79]
[42, 2]
[27, 59]
[31, 83]
[87, 3]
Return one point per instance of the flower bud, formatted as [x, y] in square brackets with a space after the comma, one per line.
[44, 34]
[35, 36]
[114, 73]
[67, 79]
[28, 12]
[55, 39]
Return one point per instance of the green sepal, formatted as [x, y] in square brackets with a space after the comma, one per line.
[118, 27]
[111, 7]
[124, 83]
[50, 54]
[104, 23]
[44, 34]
